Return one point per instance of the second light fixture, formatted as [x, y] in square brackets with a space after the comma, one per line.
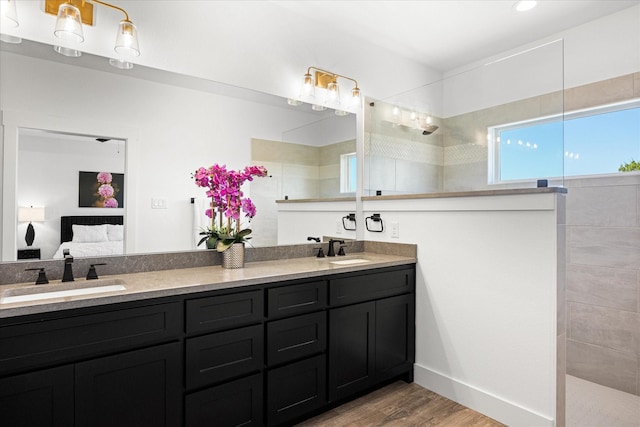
[328, 81]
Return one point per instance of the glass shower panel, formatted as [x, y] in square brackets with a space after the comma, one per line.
[499, 125]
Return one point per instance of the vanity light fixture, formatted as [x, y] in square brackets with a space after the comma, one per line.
[70, 16]
[524, 5]
[328, 81]
[294, 102]
[9, 19]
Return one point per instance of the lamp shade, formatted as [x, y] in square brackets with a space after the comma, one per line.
[31, 214]
[69, 24]
[127, 40]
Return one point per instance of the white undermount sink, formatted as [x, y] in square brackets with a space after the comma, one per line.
[350, 261]
[61, 290]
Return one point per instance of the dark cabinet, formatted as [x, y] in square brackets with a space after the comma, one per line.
[42, 398]
[351, 349]
[394, 337]
[138, 388]
[221, 356]
[269, 354]
[370, 343]
[116, 365]
[296, 337]
[296, 389]
[238, 403]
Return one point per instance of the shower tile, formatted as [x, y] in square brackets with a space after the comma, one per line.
[604, 206]
[602, 286]
[605, 327]
[603, 246]
[599, 93]
[603, 366]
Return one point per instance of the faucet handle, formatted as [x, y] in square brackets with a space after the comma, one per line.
[92, 274]
[42, 276]
[320, 252]
[341, 251]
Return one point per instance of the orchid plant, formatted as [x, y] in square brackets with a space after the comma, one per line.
[227, 203]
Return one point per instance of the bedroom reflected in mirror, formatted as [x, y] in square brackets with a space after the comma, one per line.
[81, 180]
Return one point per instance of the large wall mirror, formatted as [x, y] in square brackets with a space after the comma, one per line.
[63, 116]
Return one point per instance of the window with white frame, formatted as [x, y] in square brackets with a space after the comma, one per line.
[348, 169]
[594, 141]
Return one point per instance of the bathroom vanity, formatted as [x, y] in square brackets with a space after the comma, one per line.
[270, 344]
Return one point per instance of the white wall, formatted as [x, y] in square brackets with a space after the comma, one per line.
[485, 299]
[598, 50]
[297, 221]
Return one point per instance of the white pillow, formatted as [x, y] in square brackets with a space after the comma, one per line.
[115, 232]
[89, 233]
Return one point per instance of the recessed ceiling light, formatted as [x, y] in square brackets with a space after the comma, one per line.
[524, 5]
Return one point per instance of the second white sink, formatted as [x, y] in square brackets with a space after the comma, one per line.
[349, 261]
[61, 290]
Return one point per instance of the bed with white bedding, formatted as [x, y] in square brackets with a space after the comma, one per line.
[91, 236]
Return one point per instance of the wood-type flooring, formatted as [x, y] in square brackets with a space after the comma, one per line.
[401, 404]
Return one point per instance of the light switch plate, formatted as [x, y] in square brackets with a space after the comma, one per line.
[158, 203]
[395, 229]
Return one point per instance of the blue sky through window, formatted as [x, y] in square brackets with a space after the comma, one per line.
[593, 144]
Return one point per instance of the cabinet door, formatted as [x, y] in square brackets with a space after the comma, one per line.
[238, 403]
[42, 398]
[395, 336]
[351, 349]
[139, 388]
[219, 357]
[296, 389]
[296, 337]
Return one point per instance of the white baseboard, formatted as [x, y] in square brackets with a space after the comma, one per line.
[492, 406]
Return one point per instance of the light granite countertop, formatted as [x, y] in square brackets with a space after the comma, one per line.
[155, 284]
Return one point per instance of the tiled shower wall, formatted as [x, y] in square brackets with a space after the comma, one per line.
[297, 171]
[603, 281]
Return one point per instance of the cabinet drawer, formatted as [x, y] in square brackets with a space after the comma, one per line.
[35, 344]
[296, 337]
[238, 403]
[296, 389]
[296, 299]
[364, 287]
[224, 311]
[221, 356]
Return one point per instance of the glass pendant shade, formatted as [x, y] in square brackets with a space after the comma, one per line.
[307, 85]
[120, 64]
[69, 24]
[333, 92]
[8, 14]
[127, 40]
[72, 53]
[355, 96]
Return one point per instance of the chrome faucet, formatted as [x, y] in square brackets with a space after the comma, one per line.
[332, 251]
[67, 276]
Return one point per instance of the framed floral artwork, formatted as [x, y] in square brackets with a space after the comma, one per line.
[100, 190]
